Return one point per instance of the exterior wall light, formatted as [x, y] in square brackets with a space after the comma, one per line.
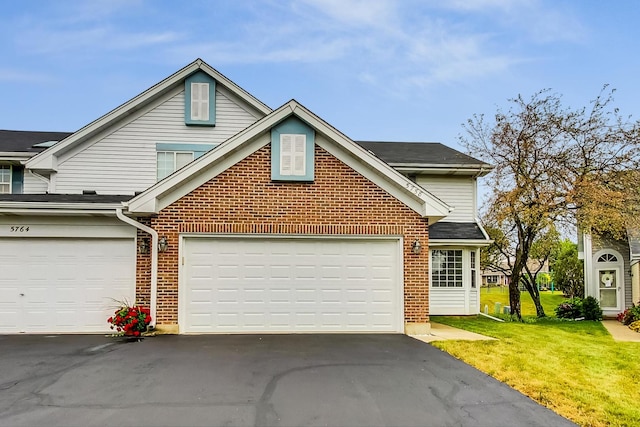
[416, 247]
[143, 246]
[163, 245]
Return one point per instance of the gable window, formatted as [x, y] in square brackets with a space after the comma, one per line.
[292, 155]
[171, 161]
[5, 179]
[446, 268]
[200, 100]
[292, 151]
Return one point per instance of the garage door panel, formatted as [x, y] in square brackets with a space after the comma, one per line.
[291, 285]
[67, 285]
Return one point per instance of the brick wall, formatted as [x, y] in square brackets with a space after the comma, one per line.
[243, 199]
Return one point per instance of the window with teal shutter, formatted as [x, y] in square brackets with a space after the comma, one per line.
[292, 151]
[200, 100]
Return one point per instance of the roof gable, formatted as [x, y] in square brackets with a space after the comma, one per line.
[256, 136]
[46, 160]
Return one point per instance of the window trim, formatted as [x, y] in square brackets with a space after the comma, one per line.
[175, 168]
[10, 182]
[455, 270]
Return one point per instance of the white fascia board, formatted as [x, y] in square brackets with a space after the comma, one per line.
[16, 156]
[43, 208]
[461, 242]
[203, 169]
[431, 169]
[45, 160]
[379, 172]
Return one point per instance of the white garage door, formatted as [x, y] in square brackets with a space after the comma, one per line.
[63, 285]
[291, 285]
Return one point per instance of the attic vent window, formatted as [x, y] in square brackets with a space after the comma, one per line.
[607, 258]
[292, 155]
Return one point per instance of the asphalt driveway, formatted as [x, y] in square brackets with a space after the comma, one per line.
[246, 380]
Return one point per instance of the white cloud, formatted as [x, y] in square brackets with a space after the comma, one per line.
[22, 76]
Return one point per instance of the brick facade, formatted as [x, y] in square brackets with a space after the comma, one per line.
[244, 200]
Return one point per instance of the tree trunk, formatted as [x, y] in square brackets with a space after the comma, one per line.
[535, 296]
[514, 296]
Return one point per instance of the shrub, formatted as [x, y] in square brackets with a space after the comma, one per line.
[635, 326]
[591, 309]
[570, 309]
[630, 315]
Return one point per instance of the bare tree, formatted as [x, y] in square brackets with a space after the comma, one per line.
[556, 166]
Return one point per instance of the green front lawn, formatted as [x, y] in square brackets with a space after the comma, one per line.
[550, 300]
[574, 368]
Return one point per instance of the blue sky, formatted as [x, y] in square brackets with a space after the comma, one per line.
[405, 70]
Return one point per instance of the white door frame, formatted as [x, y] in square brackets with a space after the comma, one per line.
[618, 267]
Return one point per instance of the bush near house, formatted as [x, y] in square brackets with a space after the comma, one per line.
[574, 308]
[630, 315]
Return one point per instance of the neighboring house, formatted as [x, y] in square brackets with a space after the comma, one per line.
[611, 271]
[223, 215]
[493, 276]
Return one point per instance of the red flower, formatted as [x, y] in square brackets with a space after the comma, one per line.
[136, 333]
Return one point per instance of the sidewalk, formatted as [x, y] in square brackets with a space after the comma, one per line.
[618, 331]
[440, 332]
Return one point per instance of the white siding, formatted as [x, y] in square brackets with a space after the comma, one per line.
[455, 191]
[33, 185]
[125, 161]
[447, 301]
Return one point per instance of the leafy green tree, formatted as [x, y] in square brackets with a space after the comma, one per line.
[567, 270]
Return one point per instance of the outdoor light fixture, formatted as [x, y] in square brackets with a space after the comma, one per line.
[163, 245]
[143, 246]
[416, 247]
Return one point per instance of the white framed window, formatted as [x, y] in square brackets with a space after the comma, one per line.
[446, 268]
[293, 154]
[5, 179]
[200, 101]
[473, 269]
[170, 161]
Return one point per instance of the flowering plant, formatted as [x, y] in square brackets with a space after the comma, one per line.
[129, 320]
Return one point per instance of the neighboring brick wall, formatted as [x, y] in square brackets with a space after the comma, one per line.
[243, 199]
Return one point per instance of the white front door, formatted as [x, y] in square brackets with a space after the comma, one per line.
[53, 285]
[241, 284]
[609, 288]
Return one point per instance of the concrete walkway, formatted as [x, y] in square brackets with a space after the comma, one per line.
[440, 332]
[620, 332]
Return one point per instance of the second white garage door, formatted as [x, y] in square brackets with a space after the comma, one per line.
[63, 285]
[291, 285]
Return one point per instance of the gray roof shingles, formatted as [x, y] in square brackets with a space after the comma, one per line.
[23, 141]
[444, 230]
[427, 153]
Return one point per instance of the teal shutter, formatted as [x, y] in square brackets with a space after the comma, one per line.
[17, 179]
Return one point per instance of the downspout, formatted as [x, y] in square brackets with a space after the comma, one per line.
[154, 260]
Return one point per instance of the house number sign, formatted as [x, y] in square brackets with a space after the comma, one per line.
[19, 229]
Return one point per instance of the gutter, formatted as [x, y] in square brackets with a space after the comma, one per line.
[154, 261]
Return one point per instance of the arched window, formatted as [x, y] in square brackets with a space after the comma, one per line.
[607, 257]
